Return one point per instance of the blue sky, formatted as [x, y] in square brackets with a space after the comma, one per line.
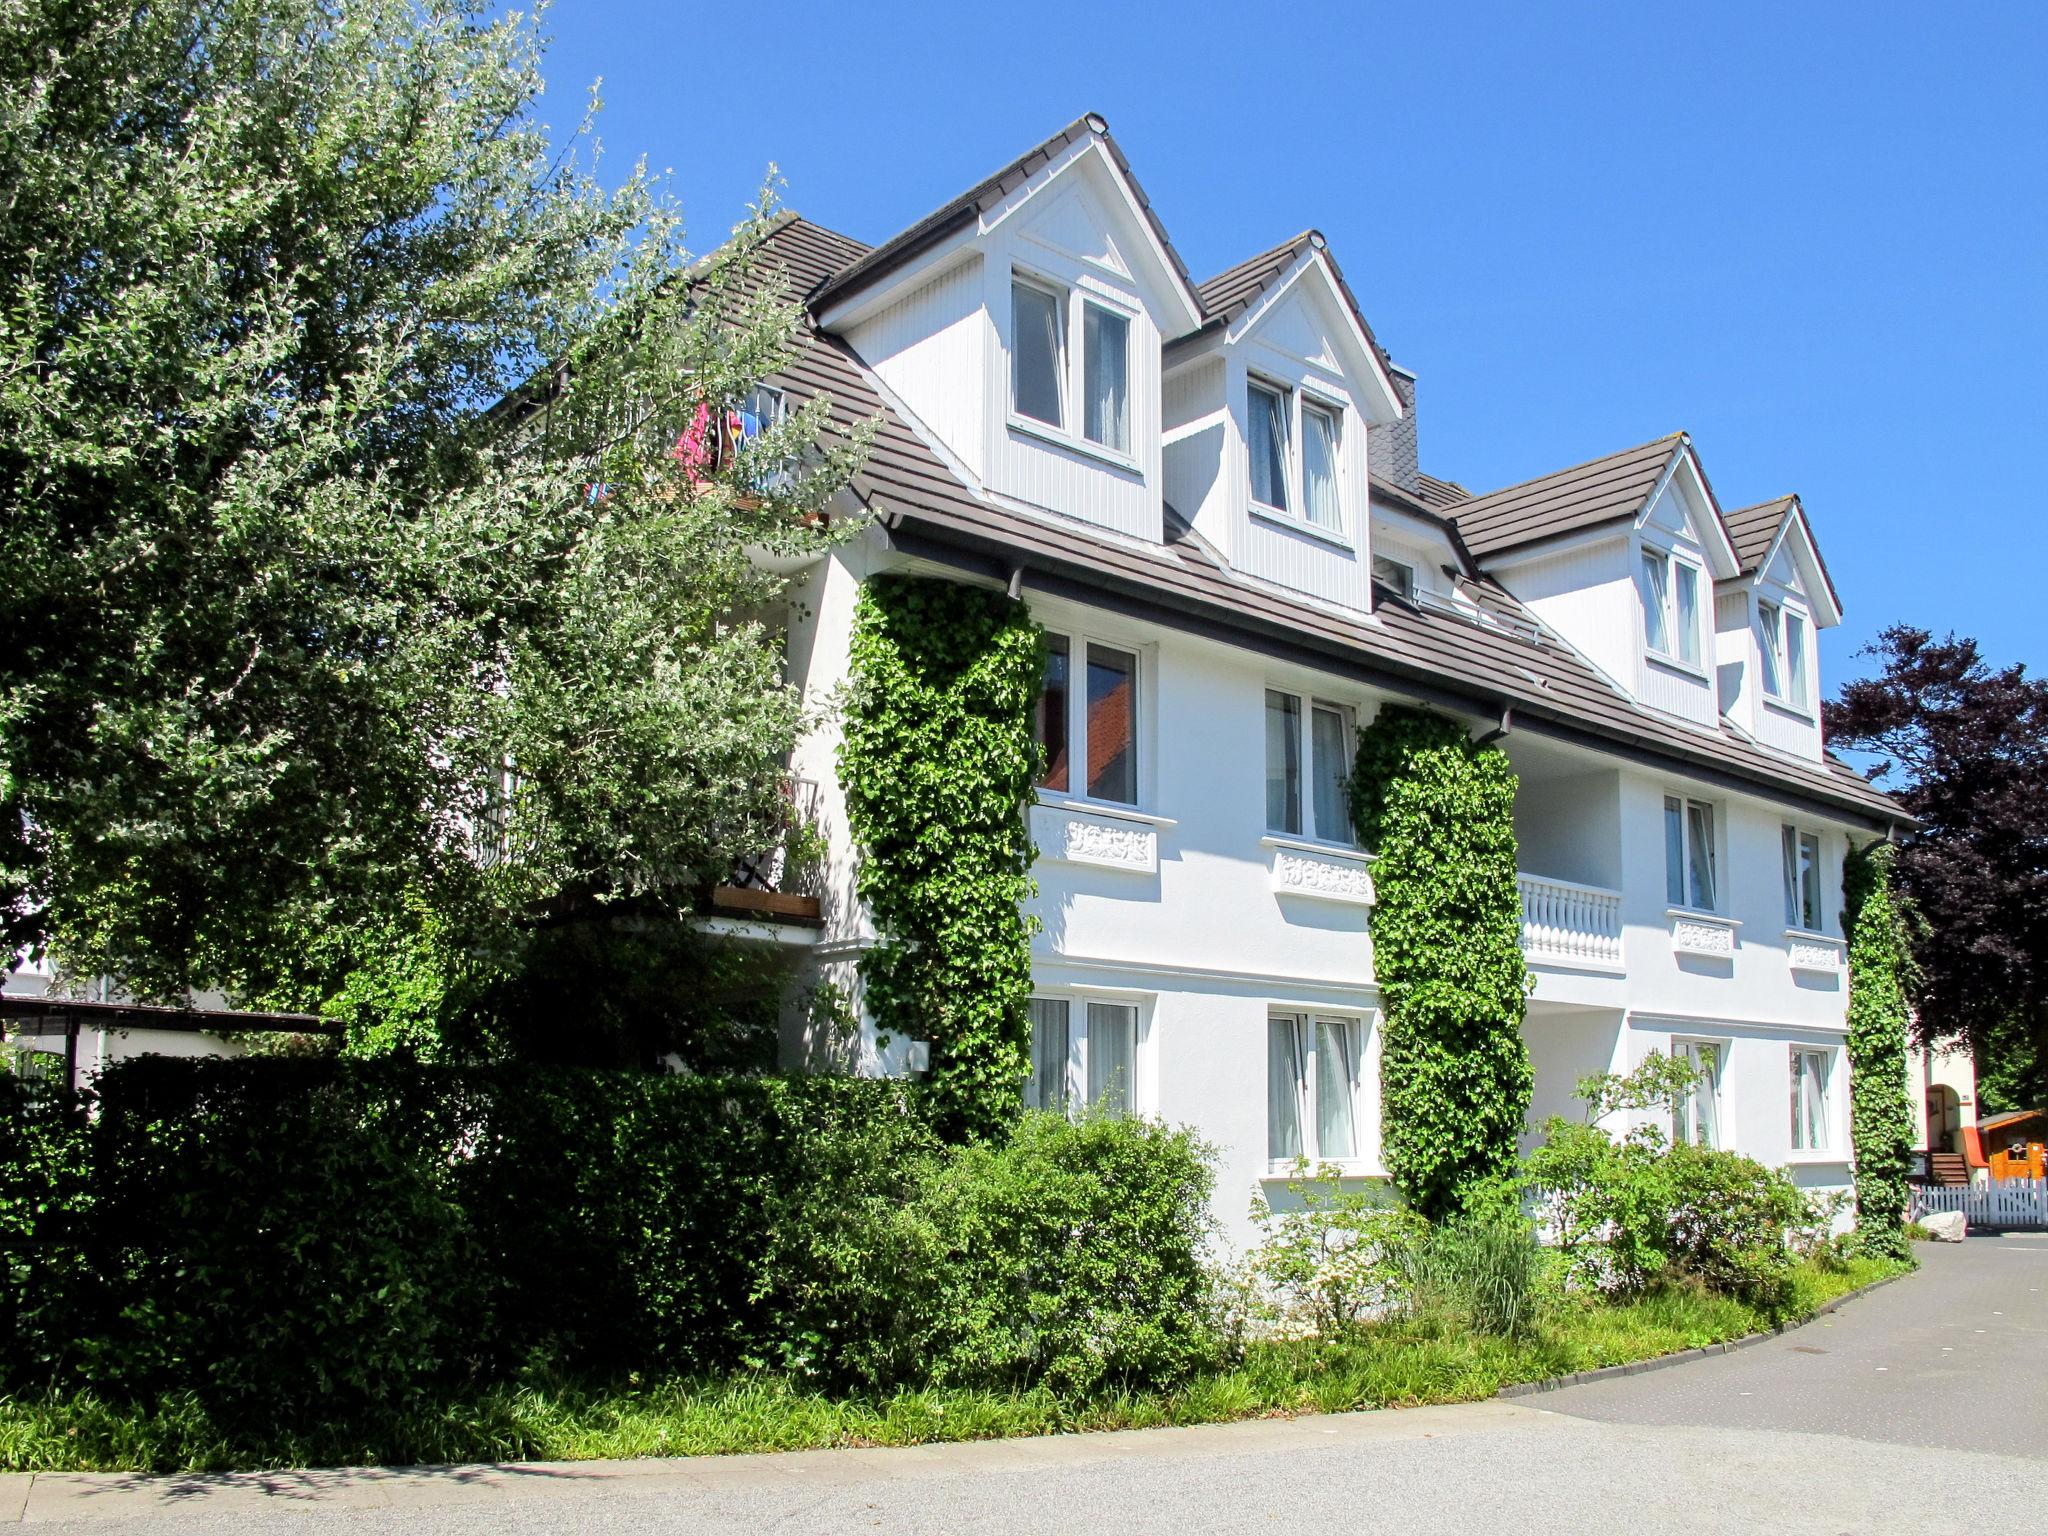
[1813, 235]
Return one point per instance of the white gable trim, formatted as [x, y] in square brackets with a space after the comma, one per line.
[1812, 579]
[1713, 536]
[1381, 402]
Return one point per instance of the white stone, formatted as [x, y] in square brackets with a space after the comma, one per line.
[1945, 1226]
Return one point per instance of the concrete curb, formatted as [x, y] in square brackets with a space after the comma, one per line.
[1685, 1356]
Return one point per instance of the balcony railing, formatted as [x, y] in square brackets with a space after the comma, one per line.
[786, 879]
[1570, 923]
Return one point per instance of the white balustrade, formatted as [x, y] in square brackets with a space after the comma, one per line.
[1571, 923]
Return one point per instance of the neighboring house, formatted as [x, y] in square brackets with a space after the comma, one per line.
[2016, 1144]
[1941, 1085]
[1210, 495]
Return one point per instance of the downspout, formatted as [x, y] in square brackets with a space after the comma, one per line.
[1507, 724]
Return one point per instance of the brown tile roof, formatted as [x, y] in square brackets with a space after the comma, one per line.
[1440, 494]
[1753, 530]
[1586, 495]
[1229, 294]
[872, 265]
[1506, 661]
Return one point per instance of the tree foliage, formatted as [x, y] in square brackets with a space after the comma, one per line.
[291, 612]
[1880, 1115]
[1964, 746]
[1437, 810]
[938, 762]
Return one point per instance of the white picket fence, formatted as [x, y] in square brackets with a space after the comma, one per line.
[2001, 1203]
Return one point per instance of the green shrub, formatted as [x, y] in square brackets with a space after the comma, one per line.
[1333, 1257]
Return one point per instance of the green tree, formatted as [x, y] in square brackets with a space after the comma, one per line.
[1438, 811]
[292, 609]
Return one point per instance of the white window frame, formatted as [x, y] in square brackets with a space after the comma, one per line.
[1795, 844]
[1295, 401]
[1307, 1086]
[1668, 605]
[1686, 804]
[1777, 623]
[1075, 1085]
[1306, 707]
[1403, 585]
[1079, 643]
[1812, 1126]
[1685, 1117]
[1070, 430]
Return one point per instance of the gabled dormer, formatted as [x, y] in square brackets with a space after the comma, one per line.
[1766, 620]
[1267, 410]
[1416, 556]
[1022, 325]
[1619, 555]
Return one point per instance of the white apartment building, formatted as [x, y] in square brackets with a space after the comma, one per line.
[1208, 493]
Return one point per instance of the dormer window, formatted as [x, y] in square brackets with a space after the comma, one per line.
[1671, 607]
[1270, 414]
[1783, 636]
[1043, 374]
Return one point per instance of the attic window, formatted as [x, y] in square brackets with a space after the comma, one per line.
[1397, 577]
[1671, 607]
[1037, 352]
[1268, 441]
[1045, 373]
[1782, 635]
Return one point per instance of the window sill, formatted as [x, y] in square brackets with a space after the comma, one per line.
[1684, 669]
[1822, 1158]
[1056, 801]
[1819, 952]
[1043, 432]
[1694, 932]
[1314, 845]
[1282, 1170]
[1274, 517]
[1790, 711]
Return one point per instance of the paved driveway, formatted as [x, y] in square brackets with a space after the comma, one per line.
[1775, 1438]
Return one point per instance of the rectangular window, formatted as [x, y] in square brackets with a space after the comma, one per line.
[1319, 466]
[1112, 1050]
[1689, 853]
[1312, 1078]
[1696, 1115]
[1330, 764]
[1656, 596]
[1267, 438]
[1802, 879]
[1770, 623]
[1396, 576]
[1106, 378]
[1053, 706]
[1085, 1055]
[1111, 731]
[1688, 586]
[1283, 763]
[1809, 1101]
[1037, 352]
[1795, 661]
[1046, 1088]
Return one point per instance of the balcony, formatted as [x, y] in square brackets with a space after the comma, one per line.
[784, 882]
[1564, 923]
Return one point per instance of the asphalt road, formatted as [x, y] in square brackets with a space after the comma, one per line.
[1807, 1433]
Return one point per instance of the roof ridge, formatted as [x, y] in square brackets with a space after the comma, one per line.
[1678, 436]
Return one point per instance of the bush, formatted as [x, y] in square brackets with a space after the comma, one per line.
[319, 1242]
[1335, 1258]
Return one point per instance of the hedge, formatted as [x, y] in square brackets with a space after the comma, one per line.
[314, 1242]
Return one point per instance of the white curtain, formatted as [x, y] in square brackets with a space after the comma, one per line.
[1105, 365]
[1700, 852]
[1795, 659]
[1688, 614]
[1283, 762]
[1336, 1077]
[1112, 1055]
[1769, 622]
[1319, 467]
[1332, 766]
[1046, 1088]
[1656, 625]
[1284, 1087]
[1035, 353]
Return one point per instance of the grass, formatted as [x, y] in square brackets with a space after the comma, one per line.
[1396, 1364]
